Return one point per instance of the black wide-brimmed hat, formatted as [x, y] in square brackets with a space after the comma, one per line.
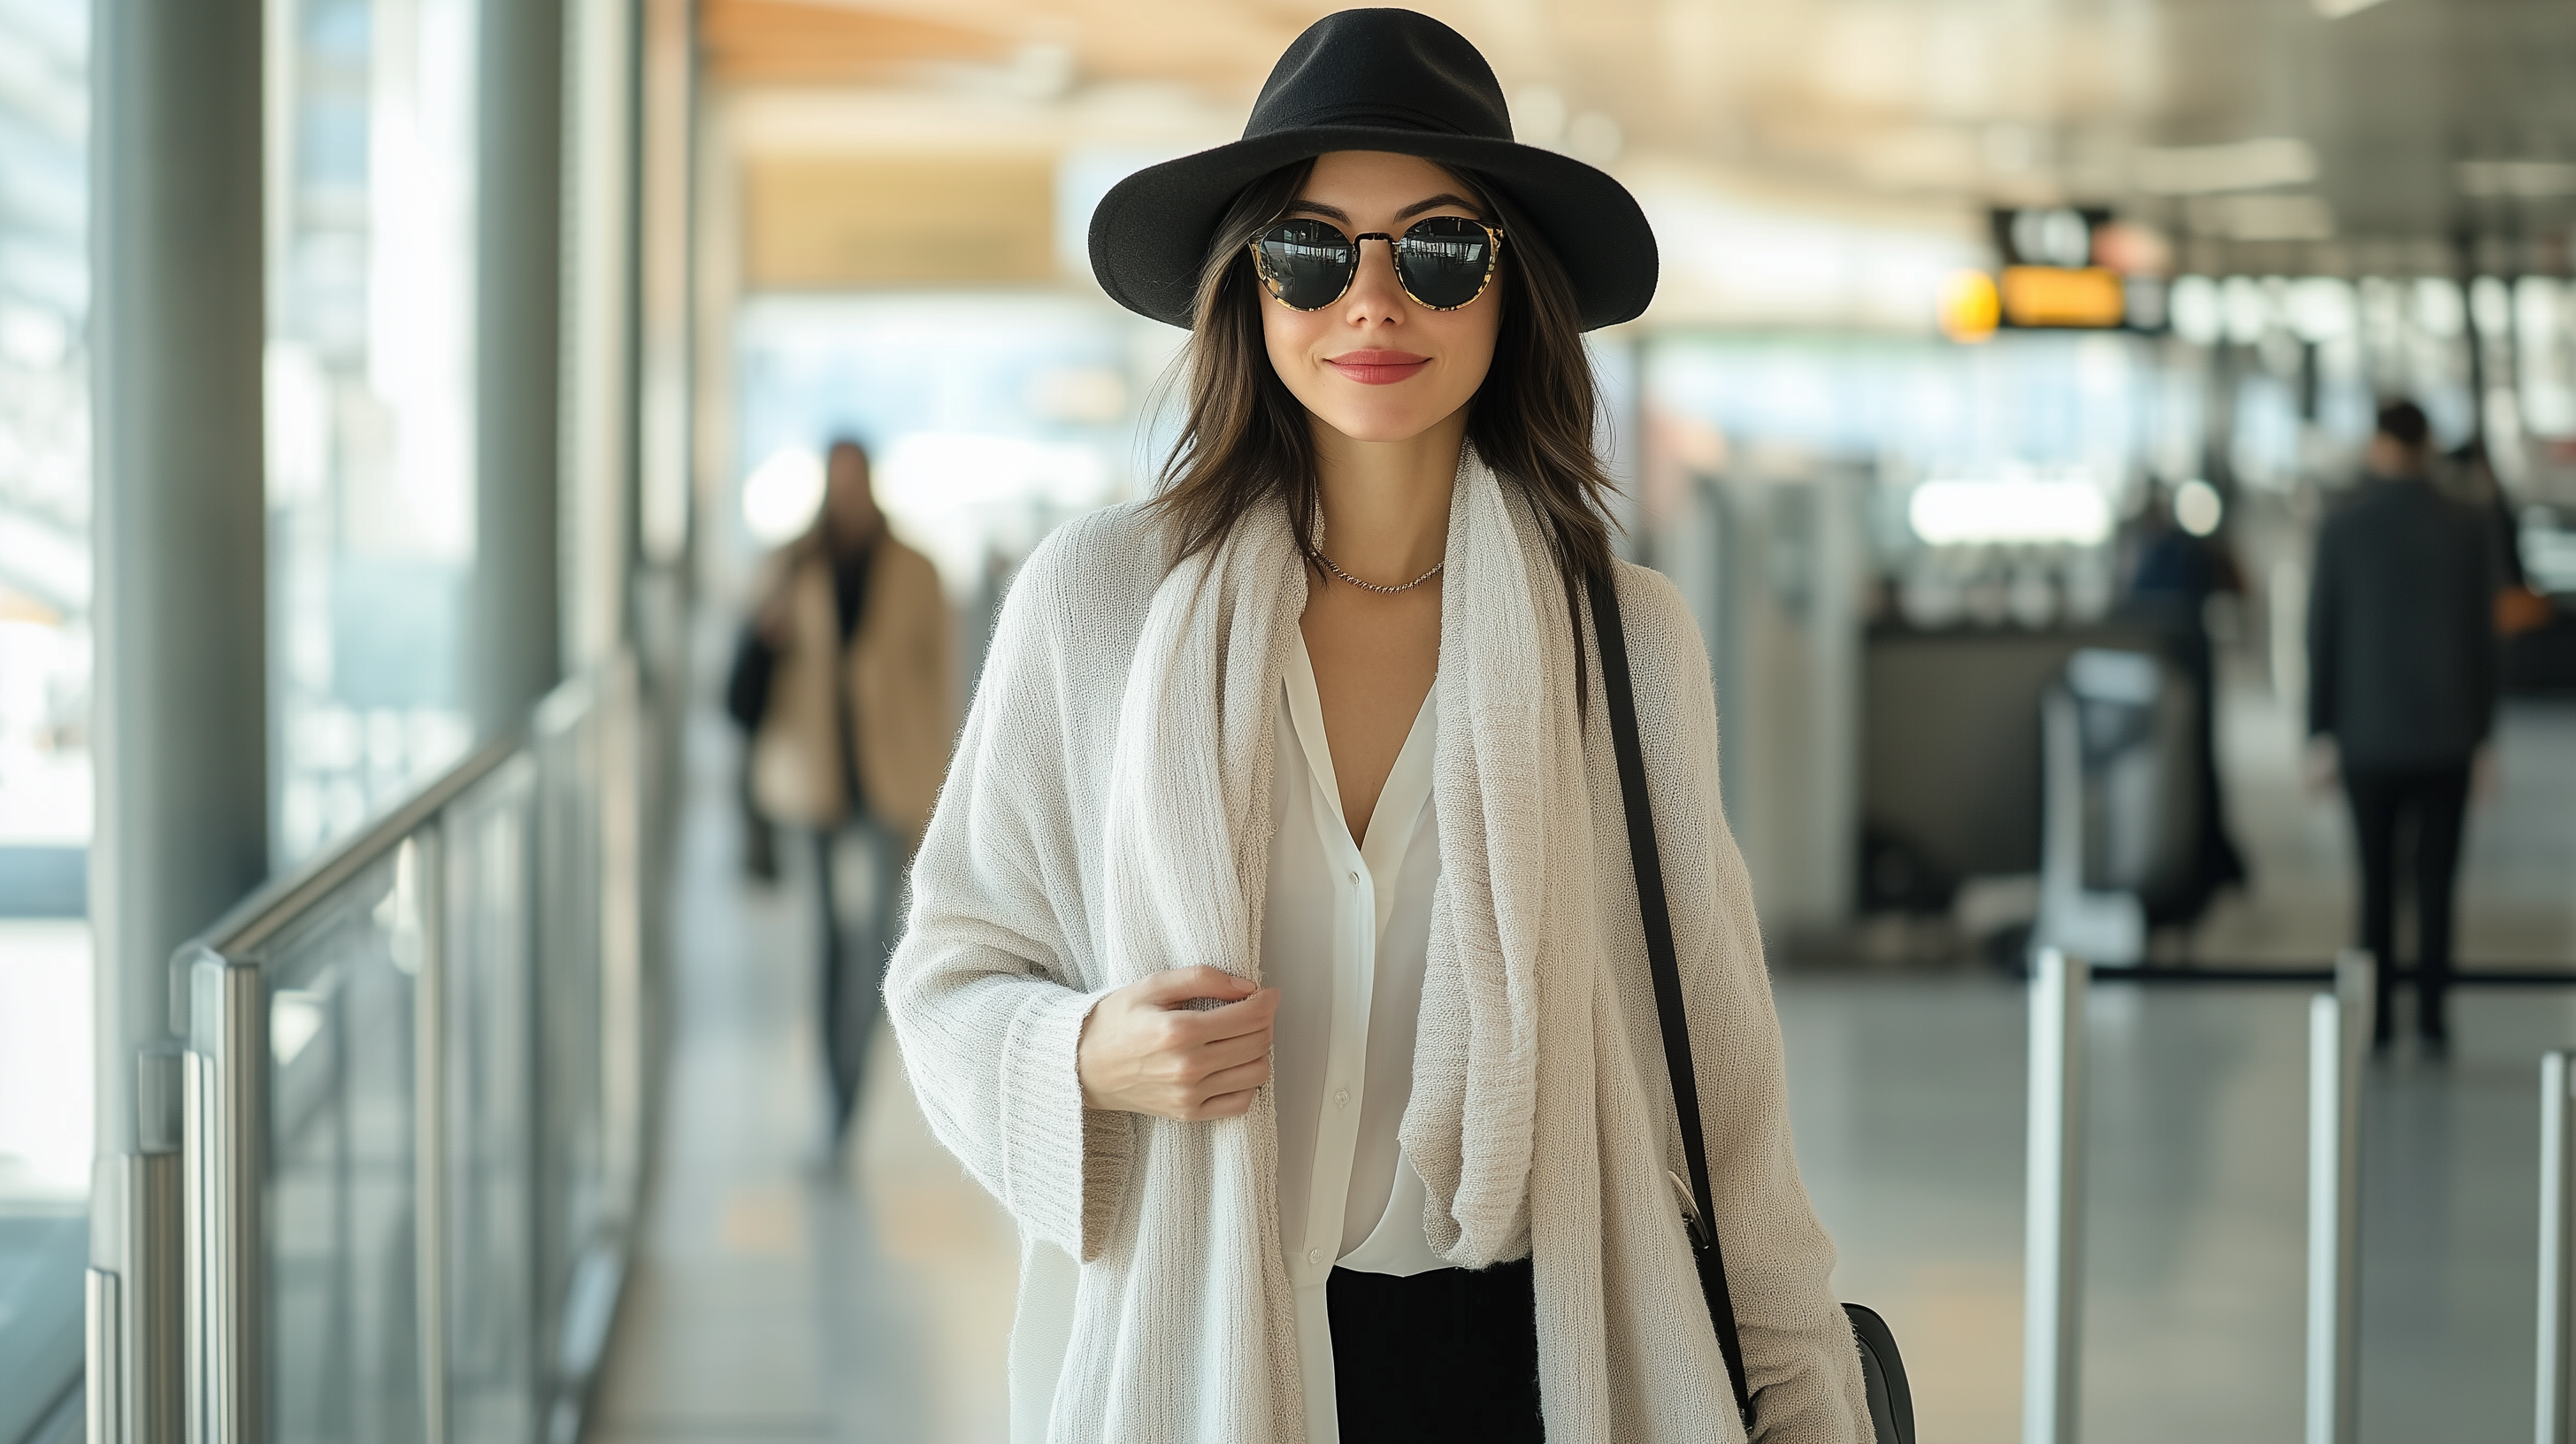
[1388, 80]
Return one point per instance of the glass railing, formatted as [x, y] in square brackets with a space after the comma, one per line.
[408, 1116]
[40, 1291]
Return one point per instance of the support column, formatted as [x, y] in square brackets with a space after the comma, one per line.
[513, 653]
[179, 731]
[600, 359]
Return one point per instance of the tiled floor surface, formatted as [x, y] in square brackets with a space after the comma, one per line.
[784, 1297]
[782, 1293]
[1907, 1098]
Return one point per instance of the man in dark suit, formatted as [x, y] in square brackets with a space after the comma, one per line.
[2401, 689]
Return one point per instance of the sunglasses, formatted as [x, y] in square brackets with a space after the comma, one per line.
[1443, 262]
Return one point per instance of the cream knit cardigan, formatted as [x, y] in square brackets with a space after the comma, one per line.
[1107, 815]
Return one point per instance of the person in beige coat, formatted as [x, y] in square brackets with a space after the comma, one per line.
[846, 682]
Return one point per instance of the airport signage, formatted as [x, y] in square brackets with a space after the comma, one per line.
[2072, 268]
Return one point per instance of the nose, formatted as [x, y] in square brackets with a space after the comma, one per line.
[1375, 294]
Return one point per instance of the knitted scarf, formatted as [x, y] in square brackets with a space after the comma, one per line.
[1527, 1123]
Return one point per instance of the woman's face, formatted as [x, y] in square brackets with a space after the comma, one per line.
[1376, 365]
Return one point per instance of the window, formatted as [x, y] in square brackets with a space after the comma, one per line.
[370, 397]
[44, 702]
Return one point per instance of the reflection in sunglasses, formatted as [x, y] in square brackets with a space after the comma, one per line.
[1442, 262]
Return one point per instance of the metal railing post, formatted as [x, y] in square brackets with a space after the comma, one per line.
[2554, 1408]
[421, 869]
[136, 1256]
[223, 1160]
[2338, 1052]
[103, 1358]
[2053, 1226]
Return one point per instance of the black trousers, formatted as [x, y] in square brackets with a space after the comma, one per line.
[2434, 801]
[1451, 1355]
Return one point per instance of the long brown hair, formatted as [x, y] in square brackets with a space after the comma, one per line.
[1245, 441]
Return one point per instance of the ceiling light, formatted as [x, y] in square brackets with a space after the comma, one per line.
[1953, 513]
[2249, 310]
[2197, 507]
[2262, 218]
[2337, 9]
[2322, 309]
[2238, 166]
[2525, 178]
[2199, 311]
[2440, 309]
[781, 496]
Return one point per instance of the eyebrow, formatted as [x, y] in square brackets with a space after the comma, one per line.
[1409, 212]
[1435, 203]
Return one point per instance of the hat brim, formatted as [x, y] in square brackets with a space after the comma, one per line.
[1150, 234]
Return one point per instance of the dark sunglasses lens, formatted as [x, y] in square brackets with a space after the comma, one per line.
[1444, 261]
[1307, 264]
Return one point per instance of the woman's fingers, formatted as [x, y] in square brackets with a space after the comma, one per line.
[1174, 986]
[1193, 1029]
[1192, 1069]
[1228, 1105]
[1241, 1078]
[1227, 1053]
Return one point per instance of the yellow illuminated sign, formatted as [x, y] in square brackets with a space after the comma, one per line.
[1969, 309]
[2065, 296]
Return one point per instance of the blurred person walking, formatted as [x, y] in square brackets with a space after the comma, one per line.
[845, 681]
[2401, 691]
[2183, 561]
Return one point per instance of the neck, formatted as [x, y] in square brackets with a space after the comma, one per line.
[1386, 503]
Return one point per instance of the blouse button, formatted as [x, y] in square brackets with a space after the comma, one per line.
[1342, 1096]
[1314, 1256]
[1355, 877]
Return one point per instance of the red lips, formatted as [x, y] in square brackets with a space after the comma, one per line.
[1378, 368]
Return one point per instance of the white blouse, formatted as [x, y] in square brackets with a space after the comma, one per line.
[1343, 938]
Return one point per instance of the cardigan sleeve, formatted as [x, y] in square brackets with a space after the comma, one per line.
[986, 991]
[1802, 1365]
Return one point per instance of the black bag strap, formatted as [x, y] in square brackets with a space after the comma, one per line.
[1648, 862]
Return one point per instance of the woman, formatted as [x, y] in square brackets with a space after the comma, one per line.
[844, 681]
[1275, 955]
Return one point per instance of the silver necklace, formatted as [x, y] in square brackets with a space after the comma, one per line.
[1335, 568]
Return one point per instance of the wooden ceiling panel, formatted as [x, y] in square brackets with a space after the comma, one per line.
[826, 222]
[805, 42]
[2014, 100]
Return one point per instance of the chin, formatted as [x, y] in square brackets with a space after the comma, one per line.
[1384, 420]
[1375, 427]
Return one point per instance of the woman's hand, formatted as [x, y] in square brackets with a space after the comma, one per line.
[1144, 1050]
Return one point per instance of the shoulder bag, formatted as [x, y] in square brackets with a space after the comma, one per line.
[1891, 1403]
